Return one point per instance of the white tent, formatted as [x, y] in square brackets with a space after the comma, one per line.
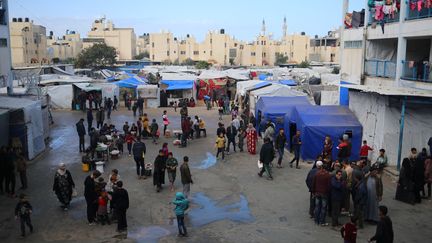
[151, 95]
[60, 95]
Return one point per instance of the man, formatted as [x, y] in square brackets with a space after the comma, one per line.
[91, 196]
[100, 117]
[140, 103]
[184, 112]
[94, 137]
[236, 122]
[266, 157]
[231, 135]
[220, 129]
[364, 151]
[139, 150]
[159, 171]
[186, 176]
[81, 133]
[320, 190]
[109, 108]
[309, 180]
[360, 195]
[280, 146]
[115, 103]
[270, 131]
[185, 132]
[171, 166]
[337, 197]
[120, 200]
[430, 145]
[89, 120]
[384, 230]
[296, 144]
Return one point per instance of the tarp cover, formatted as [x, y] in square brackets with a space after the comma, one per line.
[61, 96]
[131, 82]
[315, 122]
[288, 82]
[178, 84]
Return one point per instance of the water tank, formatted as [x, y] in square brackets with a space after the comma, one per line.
[175, 38]
[14, 19]
[187, 36]
[316, 36]
[222, 31]
[26, 20]
[51, 33]
[19, 19]
[303, 33]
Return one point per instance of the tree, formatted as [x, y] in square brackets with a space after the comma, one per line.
[304, 64]
[97, 56]
[202, 65]
[142, 55]
[188, 62]
[280, 59]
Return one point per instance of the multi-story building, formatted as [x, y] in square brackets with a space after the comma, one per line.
[143, 44]
[65, 47]
[325, 49]
[387, 61]
[5, 54]
[122, 39]
[28, 43]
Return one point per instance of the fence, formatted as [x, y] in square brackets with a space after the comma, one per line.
[417, 71]
[380, 68]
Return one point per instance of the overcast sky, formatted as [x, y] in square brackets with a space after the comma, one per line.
[240, 18]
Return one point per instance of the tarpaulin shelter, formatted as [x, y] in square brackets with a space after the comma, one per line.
[289, 82]
[244, 86]
[178, 84]
[274, 108]
[316, 122]
[177, 89]
[131, 82]
[150, 94]
[218, 83]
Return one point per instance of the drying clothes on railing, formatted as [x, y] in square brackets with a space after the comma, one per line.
[420, 4]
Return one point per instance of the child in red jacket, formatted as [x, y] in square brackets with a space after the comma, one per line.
[349, 231]
[129, 140]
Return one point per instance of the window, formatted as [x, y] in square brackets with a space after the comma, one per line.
[264, 54]
[153, 57]
[196, 52]
[2, 16]
[182, 53]
[211, 41]
[211, 53]
[241, 47]
[353, 44]
[253, 54]
[152, 44]
[292, 42]
[306, 47]
[167, 53]
[175, 52]
[167, 40]
[225, 45]
[3, 42]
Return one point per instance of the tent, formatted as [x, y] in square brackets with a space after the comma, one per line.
[289, 82]
[131, 82]
[177, 89]
[315, 122]
[178, 84]
[274, 108]
[150, 94]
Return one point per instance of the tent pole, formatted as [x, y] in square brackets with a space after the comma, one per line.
[402, 124]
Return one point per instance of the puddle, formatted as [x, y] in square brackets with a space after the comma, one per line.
[209, 211]
[206, 163]
[152, 233]
[57, 143]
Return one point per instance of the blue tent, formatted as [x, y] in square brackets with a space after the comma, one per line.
[315, 122]
[178, 84]
[288, 82]
[131, 82]
[274, 108]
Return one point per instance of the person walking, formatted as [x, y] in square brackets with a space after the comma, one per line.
[320, 190]
[296, 144]
[337, 197]
[154, 127]
[109, 108]
[280, 146]
[241, 137]
[159, 171]
[23, 210]
[171, 167]
[81, 133]
[126, 128]
[349, 231]
[91, 196]
[89, 120]
[100, 117]
[266, 157]
[384, 230]
[186, 176]
[120, 200]
[115, 103]
[220, 146]
[231, 135]
[129, 141]
[251, 138]
[139, 150]
[63, 186]
[185, 126]
[165, 122]
[181, 205]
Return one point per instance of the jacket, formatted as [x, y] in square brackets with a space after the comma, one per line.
[296, 142]
[181, 204]
[186, 176]
[428, 170]
[360, 193]
[280, 141]
[269, 133]
[337, 189]
[120, 199]
[90, 189]
[321, 183]
[220, 142]
[89, 115]
[139, 149]
[384, 231]
[309, 178]
[267, 153]
[231, 132]
[100, 115]
[80, 128]
[23, 208]
[349, 232]
[154, 128]
[185, 126]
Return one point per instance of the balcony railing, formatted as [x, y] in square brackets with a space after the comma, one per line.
[387, 18]
[380, 68]
[413, 10]
[415, 71]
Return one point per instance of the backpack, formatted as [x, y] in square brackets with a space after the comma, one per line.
[24, 210]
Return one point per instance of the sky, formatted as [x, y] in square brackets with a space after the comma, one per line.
[240, 18]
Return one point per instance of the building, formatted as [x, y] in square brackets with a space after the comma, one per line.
[143, 44]
[5, 54]
[389, 67]
[28, 43]
[325, 49]
[65, 47]
[122, 39]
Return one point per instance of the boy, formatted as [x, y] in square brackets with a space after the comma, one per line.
[181, 205]
[221, 111]
[241, 137]
[220, 145]
[364, 152]
[349, 231]
[186, 176]
[171, 165]
[23, 210]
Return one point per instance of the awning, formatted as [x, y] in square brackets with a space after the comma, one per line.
[178, 84]
[87, 87]
[131, 82]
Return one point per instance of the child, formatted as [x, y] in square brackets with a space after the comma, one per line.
[181, 205]
[220, 145]
[171, 165]
[221, 110]
[102, 212]
[175, 106]
[364, 151]
[154, 129]
[23, 210]
[349, 231]
[241, 136]
[129, 140]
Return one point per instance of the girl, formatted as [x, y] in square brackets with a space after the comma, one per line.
[129, 140]
[165, 121]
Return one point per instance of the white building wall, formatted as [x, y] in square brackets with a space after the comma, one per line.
[5, 53]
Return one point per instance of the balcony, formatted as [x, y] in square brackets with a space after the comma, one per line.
[415, 71]
[380, 68]
[387, 17]
[415, 13]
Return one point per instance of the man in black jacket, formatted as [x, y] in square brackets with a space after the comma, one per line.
[120, 200]
[81, 133]
[231, 133]
[384, 230]
[280, 146]
[139, 150]
[266, 157]
[89, 120]
[91, 196]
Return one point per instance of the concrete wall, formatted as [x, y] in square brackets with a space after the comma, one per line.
[5, 53]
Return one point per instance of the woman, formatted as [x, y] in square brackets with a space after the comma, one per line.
[328, 147]
[63, 186]
[165, 150]
[165, 121]
[159, 171]
[374, 195]
[405, 188]
[251, 137]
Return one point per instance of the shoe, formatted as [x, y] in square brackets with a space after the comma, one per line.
[270, 178]
[92, 223]
[324, 224]
[259, 175]
[297, 167]
[179, 235]
[65, 209]
[291, 165]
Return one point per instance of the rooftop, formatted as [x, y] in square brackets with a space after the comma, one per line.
[390, 91]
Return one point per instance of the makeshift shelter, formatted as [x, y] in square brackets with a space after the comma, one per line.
[218, 83]
[316, 122]
[288, 82]
[178, 89]
[131, 82]
[244, 86]
[4, 127]
[150, 94]
[274, 108]
[26, 128]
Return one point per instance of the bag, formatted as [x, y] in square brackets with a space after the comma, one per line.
[85, 167]
[260, 165]
[74, 193]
